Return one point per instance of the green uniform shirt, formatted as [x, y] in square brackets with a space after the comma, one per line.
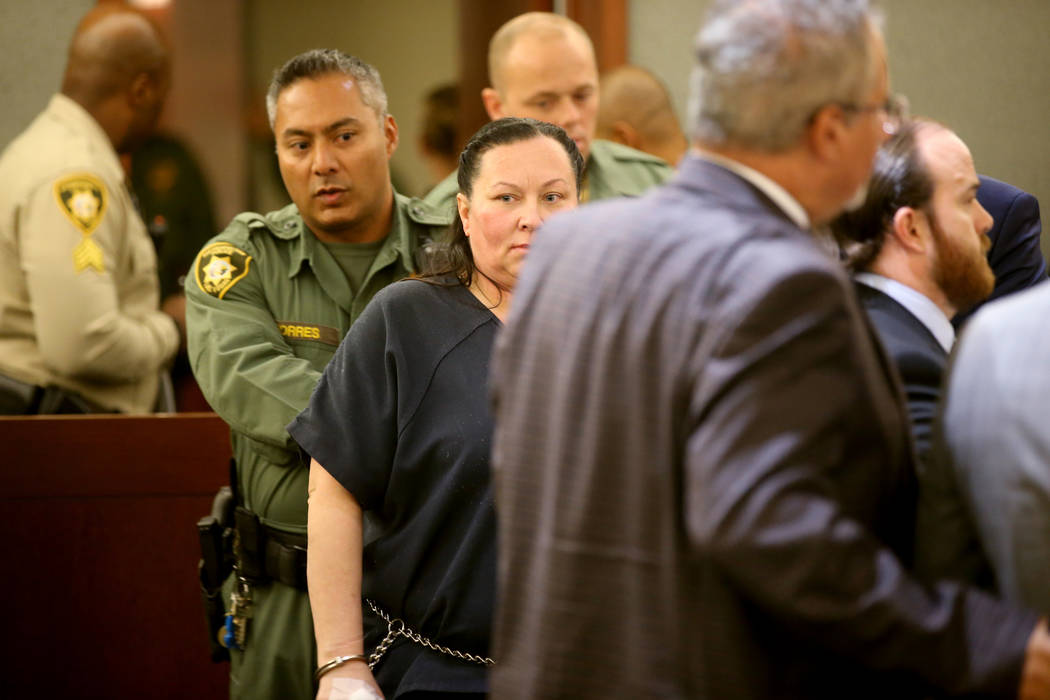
[267, 306]
[613, 170]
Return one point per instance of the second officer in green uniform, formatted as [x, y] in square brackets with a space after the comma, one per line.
[268, 301]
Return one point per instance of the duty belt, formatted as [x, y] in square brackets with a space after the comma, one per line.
[19, 398]
[265, 553]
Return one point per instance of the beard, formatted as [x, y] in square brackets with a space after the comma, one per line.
[962, 273]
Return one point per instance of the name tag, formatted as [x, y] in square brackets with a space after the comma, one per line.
[309, 331]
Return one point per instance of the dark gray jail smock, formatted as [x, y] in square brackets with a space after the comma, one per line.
[401, 419]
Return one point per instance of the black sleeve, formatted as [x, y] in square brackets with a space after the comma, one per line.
[921, 375]
[350, 424]
[1016, 256]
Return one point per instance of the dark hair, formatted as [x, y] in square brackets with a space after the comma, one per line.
[452, 257]
[321, 62]
[899, 178]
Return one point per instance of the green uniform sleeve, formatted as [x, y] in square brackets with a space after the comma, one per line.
[244, 366]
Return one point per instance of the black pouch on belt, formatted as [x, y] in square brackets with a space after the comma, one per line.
[250, 545]
[215, 531]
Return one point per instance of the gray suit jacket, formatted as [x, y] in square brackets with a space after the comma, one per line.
[990, 483]
[703, 471]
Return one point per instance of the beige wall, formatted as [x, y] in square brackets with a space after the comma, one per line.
[34, 57]
[208, 61]
[981, 67]
[206, 103]
[411, 42]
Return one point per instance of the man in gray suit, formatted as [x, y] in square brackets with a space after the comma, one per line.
[989, 495]
[702, 463]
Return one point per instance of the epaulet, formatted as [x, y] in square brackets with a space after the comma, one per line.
[421, 212]
[626, 153]
[283, 223]
[251, 219]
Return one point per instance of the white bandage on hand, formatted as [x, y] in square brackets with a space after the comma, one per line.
[353, 689]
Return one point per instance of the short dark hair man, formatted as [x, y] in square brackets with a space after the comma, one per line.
[80, 328]
[542, 66]
[636, 110]
[701, 462]
[269, 301]
[920, 256]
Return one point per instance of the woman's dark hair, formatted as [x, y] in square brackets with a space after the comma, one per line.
[452, 257]
[899, 178]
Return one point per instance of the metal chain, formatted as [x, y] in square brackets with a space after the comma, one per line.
[397, 628]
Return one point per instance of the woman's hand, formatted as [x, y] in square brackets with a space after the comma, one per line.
[354, 681]
[333, 572]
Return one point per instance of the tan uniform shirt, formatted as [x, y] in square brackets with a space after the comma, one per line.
[78, 274]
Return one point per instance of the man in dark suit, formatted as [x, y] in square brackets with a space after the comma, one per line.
[1015, 255]
[917, 247]
[702, 464]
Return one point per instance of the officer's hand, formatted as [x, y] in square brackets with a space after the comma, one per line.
[353, 681]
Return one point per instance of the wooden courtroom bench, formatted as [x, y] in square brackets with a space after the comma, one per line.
[100, 555]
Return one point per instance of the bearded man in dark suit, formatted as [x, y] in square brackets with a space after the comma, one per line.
[702, 461]
[918, 249]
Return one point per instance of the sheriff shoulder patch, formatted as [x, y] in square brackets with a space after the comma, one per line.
[82, 198]
[220, 266]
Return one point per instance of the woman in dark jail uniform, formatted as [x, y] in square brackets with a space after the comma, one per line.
[399, 429]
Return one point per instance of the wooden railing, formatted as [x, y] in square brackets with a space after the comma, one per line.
[100, 555]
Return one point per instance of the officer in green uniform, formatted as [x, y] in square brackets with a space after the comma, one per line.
[542, 66]
[268, 301]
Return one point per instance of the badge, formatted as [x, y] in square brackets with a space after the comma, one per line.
[219, 267]
[82, 198]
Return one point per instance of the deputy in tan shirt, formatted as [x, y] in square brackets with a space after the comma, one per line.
[78, 274]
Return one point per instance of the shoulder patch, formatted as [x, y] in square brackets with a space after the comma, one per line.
[83, 199]
[220, 266]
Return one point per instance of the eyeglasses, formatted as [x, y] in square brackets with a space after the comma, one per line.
[895, 111]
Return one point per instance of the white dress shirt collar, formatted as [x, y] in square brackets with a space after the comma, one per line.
[766, 185]
[918, 304]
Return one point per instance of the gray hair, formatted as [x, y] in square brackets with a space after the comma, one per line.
[765, 67]
[319, 62]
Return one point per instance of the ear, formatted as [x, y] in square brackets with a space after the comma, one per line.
[141, 90]
[622, 132]
[463, 206]
[391, 135]
[826, 132]
[910, 228]
[493, 103]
